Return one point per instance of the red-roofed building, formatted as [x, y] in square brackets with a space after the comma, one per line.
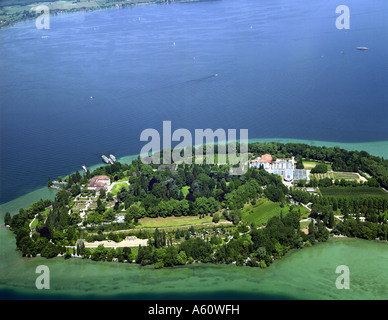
[264, 161]
[99, 182]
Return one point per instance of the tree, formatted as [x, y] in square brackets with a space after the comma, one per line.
[319, 168]
[99, 253]
[190, 196]
[331, 222]
[372, 182]
[49, 251]
[261, 252]
[235, 216]
[127, 252]
[109, 197]
[149, 201]
[274, 193]
[49, 182]
[323, 233]
[102, 193]
[311, 228]
[136, 212]
[80, 247]
[159, 238]
[7, 218]
[100, 206]
[128, 218]
[75, 190]
[45, 233]
[171, 257]
[109, 215]
[196, 248]
[181, 258]
[216, 218]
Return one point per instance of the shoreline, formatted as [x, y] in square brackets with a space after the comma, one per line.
[77, 269]
[375, 148]
[125, 243]
[59, 8]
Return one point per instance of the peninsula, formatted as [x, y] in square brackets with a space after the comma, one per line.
[292, 196]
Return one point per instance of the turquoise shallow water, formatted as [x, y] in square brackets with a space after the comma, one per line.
[305, 274]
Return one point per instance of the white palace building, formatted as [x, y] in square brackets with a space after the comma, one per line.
[282, 167]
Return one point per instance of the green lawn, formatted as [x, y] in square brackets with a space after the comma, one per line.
[44, 213]
[265, 209]
[308, 165]
[172, 221]
[262, 211]
[34, 223]
[117, 187]
[185, 191]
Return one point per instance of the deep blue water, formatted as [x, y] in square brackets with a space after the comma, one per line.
[284, 71]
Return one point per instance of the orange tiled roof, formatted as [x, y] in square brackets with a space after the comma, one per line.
[266, 158]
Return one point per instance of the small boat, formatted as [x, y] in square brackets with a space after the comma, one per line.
[105, 159]
[83, 167]
[362, 48]
[112, 157]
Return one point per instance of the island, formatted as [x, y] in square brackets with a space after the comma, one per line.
[292, 196]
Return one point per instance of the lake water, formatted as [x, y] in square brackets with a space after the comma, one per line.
[309, 273]
[284, 72]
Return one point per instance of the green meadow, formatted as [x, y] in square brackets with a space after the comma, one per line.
[353, 192]
[263, 210]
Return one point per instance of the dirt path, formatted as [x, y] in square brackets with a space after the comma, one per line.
[112, 244]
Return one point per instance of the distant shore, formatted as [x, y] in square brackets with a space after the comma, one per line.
[15, 13]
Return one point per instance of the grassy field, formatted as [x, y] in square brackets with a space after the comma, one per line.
[304, 224]
[308, 165]
[185, 191]
[35, 220]
[117, 187]
[353, 192]
[263, 210]
[172, 221]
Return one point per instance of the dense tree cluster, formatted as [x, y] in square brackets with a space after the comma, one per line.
[160, 193]
[255, 247]
[52, 233]
[319, 168]
[365, 230]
